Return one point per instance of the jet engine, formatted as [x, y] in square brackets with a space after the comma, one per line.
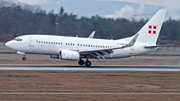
[69, 55]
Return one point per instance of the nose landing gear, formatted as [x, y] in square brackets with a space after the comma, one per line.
[22, 53]
[24, 58]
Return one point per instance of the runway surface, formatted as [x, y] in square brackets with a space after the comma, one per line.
[82, 93]
[92, 68]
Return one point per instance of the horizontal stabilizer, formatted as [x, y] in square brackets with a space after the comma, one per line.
[155, 46]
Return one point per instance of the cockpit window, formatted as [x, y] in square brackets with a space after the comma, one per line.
[18, 39]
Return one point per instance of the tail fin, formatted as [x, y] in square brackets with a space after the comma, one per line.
[150, 32]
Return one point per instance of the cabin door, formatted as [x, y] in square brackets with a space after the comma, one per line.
[31, 41]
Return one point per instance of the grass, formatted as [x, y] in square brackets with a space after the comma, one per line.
[119, 82]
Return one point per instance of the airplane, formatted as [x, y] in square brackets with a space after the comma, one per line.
[76, 48]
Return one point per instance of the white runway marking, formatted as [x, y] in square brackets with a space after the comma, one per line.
[93, 68]
[82, 93]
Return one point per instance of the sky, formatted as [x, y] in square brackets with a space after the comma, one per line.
[111, 8]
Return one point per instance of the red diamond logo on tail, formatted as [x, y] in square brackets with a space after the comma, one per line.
[152, 29]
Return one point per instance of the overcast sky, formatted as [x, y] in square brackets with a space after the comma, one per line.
[110, 8]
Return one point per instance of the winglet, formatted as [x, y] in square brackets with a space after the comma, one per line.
[132, 42]
[92, 34]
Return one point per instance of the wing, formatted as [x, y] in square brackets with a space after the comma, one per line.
[96, 53]
[100, 53]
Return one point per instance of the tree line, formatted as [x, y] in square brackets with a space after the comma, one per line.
[21, 19]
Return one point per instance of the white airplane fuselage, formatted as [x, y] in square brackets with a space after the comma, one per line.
[52, 45]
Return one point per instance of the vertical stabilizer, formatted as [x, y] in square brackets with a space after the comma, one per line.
[150, 32]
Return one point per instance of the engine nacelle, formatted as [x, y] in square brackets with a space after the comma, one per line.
[69, 55]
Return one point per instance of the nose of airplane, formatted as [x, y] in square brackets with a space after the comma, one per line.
[8, 44]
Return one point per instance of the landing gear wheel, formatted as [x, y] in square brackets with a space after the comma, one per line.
[81, 62]
[88, 63]
[24, 58]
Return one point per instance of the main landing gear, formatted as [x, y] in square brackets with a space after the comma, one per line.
[87, 63]
[81, 62]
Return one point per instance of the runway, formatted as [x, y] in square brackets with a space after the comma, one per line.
[82, 93]
[98, 68]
